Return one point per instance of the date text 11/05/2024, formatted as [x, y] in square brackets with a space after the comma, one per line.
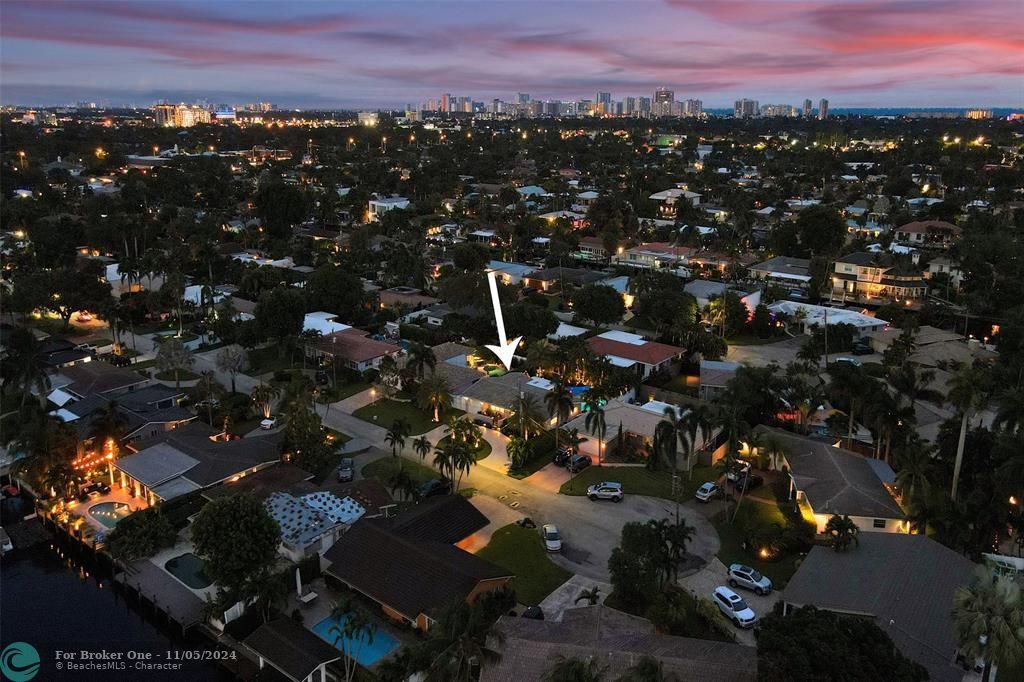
[131, 655]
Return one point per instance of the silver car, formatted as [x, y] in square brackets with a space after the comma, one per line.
[747, 577]
[606, 490]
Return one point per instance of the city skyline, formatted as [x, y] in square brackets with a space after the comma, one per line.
[859, 53]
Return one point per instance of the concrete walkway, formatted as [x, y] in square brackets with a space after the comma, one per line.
[564, 597]
[357, 400]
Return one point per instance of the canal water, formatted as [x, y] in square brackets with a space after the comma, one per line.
[53, 596]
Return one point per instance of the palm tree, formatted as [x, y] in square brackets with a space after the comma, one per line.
[915, 470]
[231, 360]
[263, 396]
[1010, 410]
[434, 394]
[842, 532]
[402, 481]
[420, 358]
[913, 384]
[575, 669]
[988, 618]
[443, 461]
[108, 426]
[967, 393]
[395, 437]
[267, 589]
[422, 446]
[852, 387]
[22, 365]
[594, 421]
[462, 461]
[591, 596]
[559, 403]
[516, 448]
[353, 631]
[49, 446]
[527, 416]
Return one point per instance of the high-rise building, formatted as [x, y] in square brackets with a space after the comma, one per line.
[978, 114]
[808, 107]
[164, 114]
[745, 108]
[770, 110]
[693, 108]
[663, 100]
[445, 102]
[629, 106]
[180, 115]
[644, 106]
[522, 97]
[823, 109]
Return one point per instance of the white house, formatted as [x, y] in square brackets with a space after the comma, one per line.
[379, 207]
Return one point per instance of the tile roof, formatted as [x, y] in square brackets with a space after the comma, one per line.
[445, 518]
[408, 575]
[355, 345]
[503, 391]
[905, 582]
[291, 648]
[648, 353]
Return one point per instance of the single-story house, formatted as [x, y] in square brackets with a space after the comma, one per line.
[558, 277]
[933, 233]
[411, 579]
[190, 458]
[409, 297]
[833, 481]
[292, 650]
[310, 524]
[784, 271]
[450, 519]
[96, 378]
[509, 273]
[498, 396]
[817, 315]
[616, 641]
[904, 583]
[146, 412]
[656, 255]
[632, 350]
[714, 376]
[323, 322]
[352, 348]
[378, 207]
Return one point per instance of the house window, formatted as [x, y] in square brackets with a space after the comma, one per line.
[878, 523]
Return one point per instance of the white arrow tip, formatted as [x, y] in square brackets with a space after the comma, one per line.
[506, 352]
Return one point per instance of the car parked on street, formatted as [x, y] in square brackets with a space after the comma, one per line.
[749, 578]
[578, 463]
[552, 538]
[346, 470]
[436, 486]
[605, 490]
[733, 607]
[708, 492]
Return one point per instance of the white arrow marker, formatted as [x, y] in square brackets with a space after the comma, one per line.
[505, 348]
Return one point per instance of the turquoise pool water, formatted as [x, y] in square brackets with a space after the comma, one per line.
[368, 653]
[188, 568]
[109, 513]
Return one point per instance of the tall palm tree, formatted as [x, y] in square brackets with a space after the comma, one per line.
[916, 467]
[575, 669]
[1010, 410]
[22, 365]
[108, 426]
[527, 416]
[420, 358]
[462, 461]
[559, 403]
[914, 384]
[852, 387]
[595, 422]
[395, 437]
[422, 446]
[434, 394]
[444, 459]
[263, 396]
[967, 393]
[988, 618]
[351, 636]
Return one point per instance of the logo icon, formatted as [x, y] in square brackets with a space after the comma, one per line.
[19, 662]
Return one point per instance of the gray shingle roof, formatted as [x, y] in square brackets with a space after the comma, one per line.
[291, 648]
[905, 582]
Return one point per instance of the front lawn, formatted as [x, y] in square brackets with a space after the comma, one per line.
[384, 469]
[521, 552]
[332, 394]
[754, 516]
[269, 359]
[640, 481]
[384, 413]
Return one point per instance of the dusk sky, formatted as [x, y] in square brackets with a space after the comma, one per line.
[386, 54]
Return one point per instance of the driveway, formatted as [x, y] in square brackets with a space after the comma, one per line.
[702, 583]
[781, 353]
[352, 426]
[207, 362]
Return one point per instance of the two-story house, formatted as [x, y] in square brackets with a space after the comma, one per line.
[879, 276]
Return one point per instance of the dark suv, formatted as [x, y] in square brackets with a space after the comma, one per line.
[436, 486]
[561, 457]
[748, 481]
[579, 462]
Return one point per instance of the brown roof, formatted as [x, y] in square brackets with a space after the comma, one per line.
[390, 297]
[408, 575]
[613, 639]
[354, 345]
[285, 478]
[929, 226]
[650, 353]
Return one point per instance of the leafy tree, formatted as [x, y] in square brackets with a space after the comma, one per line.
[988, 618]
[842, 532]
[421, 357]
[336, 290]
[647, 559]
[790, 648]
[530, 321]
[598, 303]
[304, 438]
[470, 257]
[172, 356]
[822, 230]
[237, 538]
[141, 535]
[281, 207]
[50, 446]
[280, 313]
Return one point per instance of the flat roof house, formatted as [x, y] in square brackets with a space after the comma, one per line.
[904, 583]
[833, 481]
[632, 350]
[411, 579]
[783, 270]
[378, 207]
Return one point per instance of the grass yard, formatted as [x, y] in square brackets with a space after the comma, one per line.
[385, 467]
[384, 412]
[520, 551]
[754, 515]
[482, 450]
[269, 359]
[640, 481]
[330, 394]
[183, 375]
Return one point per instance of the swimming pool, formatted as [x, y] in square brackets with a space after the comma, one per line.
[367, 653]
[578, 391]
[109, 513]
[188, 568]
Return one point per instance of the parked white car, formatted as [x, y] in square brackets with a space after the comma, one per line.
[268, 423]
[708, 492]
[605, 490]
[552, 539]
[733, 607]
[745, 576]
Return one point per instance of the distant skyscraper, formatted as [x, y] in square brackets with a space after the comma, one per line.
[693, 108]
[823, 109]
[663, 100]
[644, 106]
[522, 97]
[629, 106]
[808, 107]
[745, 108]
[445, 98]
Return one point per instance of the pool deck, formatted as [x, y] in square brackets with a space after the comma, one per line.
[116, 494]
[182, 546]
